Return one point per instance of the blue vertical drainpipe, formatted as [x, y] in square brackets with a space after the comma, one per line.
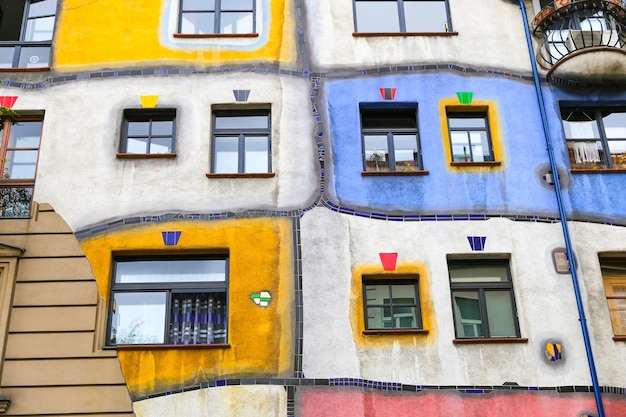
[559, 200]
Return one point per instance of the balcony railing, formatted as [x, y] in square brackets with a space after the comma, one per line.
[568, 27]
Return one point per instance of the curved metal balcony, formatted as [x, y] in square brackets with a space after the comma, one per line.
[583, 42]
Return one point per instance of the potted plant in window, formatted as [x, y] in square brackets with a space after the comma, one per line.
[378, 159]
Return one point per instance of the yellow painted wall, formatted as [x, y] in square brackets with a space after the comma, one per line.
[357, 318]
[261, 339]
[491, 108]
[134, 33]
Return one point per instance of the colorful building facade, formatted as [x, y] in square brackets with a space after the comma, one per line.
[312, 208]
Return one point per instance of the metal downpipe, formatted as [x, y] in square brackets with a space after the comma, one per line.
[559, 199]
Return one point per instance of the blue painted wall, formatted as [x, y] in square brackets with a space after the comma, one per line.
[515, 188]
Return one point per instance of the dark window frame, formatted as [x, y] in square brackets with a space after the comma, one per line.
[150, 116]
[402, 18]
[607, 163]
[21, 44]
[380, 113]
[481, 287]
[389, 280]
[170, 288]
[11, 188]
[241, 134]
[217, 11]
[474, 114]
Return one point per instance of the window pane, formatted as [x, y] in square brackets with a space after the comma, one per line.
[500, 314]
[198, 23]
[160, 145]
[200, 270]
[389, 119]
[617, 149]
[137, 145]
[425, 16]
[467, 314]
[139, 128]
[198, 5]
[226, 155]
[460, 147]
[615, 125]
[162, 127]
[404, 318]
[25, 135]
[15, 201]
[376, 153]
[241, 122]
[460, 273]
[34, 57]
[375, 318]
[256, 157]
[617, 311]
[377, 16]
[6, 57]
[586, 154]
[42, 8]
[480, 146]
[198, 318]
[467, 122]
[405, 151]
[39, 29]
[582, 129]
[20, 164]
[236, 22]
[237, 4]
[403, 293]
[377, 294]
[138, 318]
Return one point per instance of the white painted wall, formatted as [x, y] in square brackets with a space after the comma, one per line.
[491, 36]
[81, 177]
[334, 244]
[234, 401]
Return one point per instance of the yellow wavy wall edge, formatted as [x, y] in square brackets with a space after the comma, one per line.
[122, 34]
[260, 338]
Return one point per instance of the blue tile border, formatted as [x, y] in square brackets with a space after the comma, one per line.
[291, 384]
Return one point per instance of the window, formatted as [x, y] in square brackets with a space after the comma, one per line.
[203, 17]
[241, 142]
[387, 16]
[614, 276]
[19, 152]
[596, 136]
[26, 28]
[391, 304]
[482, 299]
[148, 132]
[173, 300]
[390, 138]
[470, 138]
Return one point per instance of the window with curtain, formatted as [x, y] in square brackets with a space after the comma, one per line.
[171, 300]
[482, 299]
[595, 136]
